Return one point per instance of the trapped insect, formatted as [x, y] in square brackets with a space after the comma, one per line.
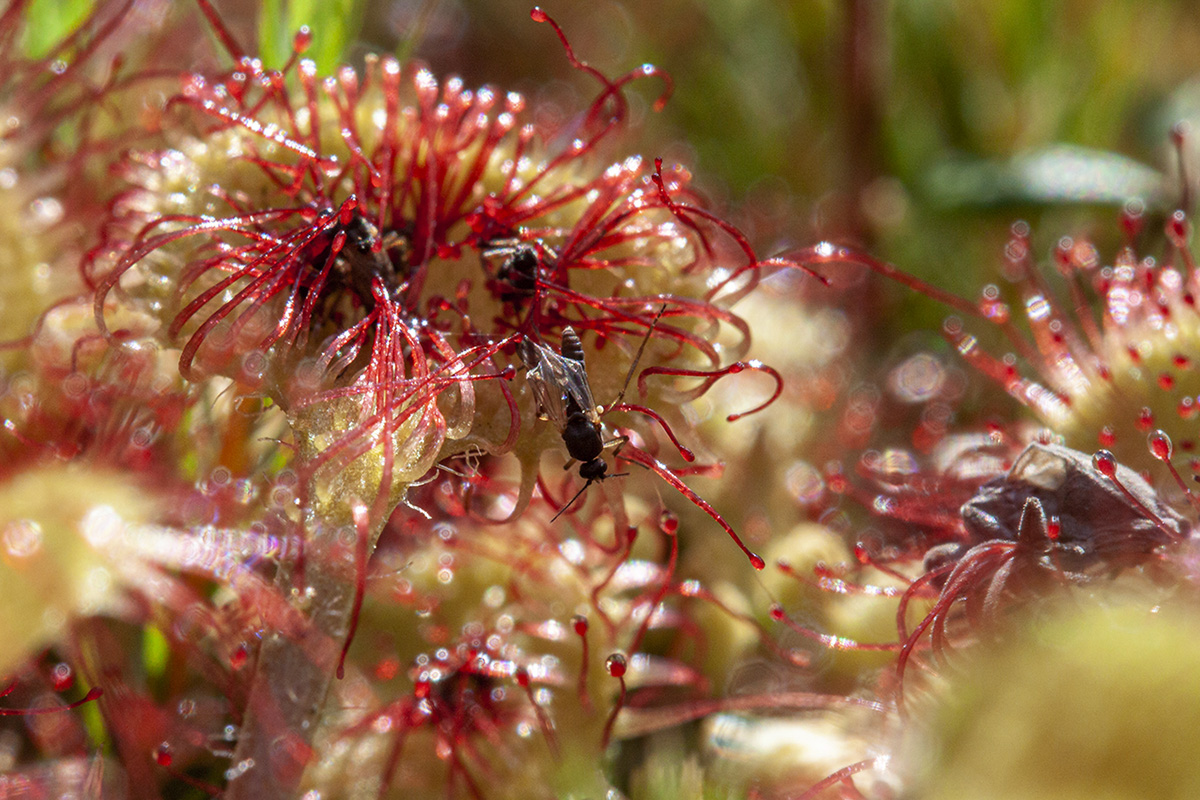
[1096, 518]
[564, 396]
[365, 255]
[560, 386]
[516, 279]
[1058, 516]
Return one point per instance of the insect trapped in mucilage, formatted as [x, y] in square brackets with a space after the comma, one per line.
[564, 396]
[362, 253]
[515, 280]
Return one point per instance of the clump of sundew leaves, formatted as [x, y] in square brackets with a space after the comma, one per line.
[228, 507]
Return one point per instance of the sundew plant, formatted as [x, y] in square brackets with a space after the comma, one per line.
[723, 400]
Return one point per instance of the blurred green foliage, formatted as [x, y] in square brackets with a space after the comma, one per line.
[333, 24]
[50, 22]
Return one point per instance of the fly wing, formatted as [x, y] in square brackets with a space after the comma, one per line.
[559, 384]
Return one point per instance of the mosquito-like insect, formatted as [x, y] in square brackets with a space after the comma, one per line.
[564, 396]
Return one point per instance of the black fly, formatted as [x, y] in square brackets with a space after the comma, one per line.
[516, 279]
[366, 253]
[564, 396]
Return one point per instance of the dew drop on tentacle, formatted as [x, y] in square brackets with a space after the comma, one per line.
[580, 625]
[93, 694]
[1160, 445]
[62, 677]
[1178, 229]
[1053, 529]
[616, 665]
[1107, 437]
[1105, 463]
[239, 657]
[1133, 219]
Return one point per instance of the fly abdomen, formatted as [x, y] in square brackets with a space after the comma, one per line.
[571, 348]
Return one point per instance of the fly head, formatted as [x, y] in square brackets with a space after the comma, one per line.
[594, 470]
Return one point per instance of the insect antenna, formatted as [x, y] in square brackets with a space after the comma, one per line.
[590, 481]
[571, 502]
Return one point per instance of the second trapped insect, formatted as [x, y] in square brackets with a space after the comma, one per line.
[1099, 518]
[515, 281]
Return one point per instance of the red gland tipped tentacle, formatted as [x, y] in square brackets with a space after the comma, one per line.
[638, 456]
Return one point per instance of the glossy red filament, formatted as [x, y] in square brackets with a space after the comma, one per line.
[687, 454]
[1106, 464]
[616, 666]
[638, 456]
[1160, 448]
[580, 624]
[711, 377]
[828, 640]
[543, 718]
[92, 694]
[361, 546]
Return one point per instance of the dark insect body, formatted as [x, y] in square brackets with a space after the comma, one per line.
[1058, 515]
[361, 254]
[559, 382]
[516, 279]
[1094, 517]
[564, 396]
[560, 385]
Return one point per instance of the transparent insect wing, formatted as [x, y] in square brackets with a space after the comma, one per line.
[558, 384]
